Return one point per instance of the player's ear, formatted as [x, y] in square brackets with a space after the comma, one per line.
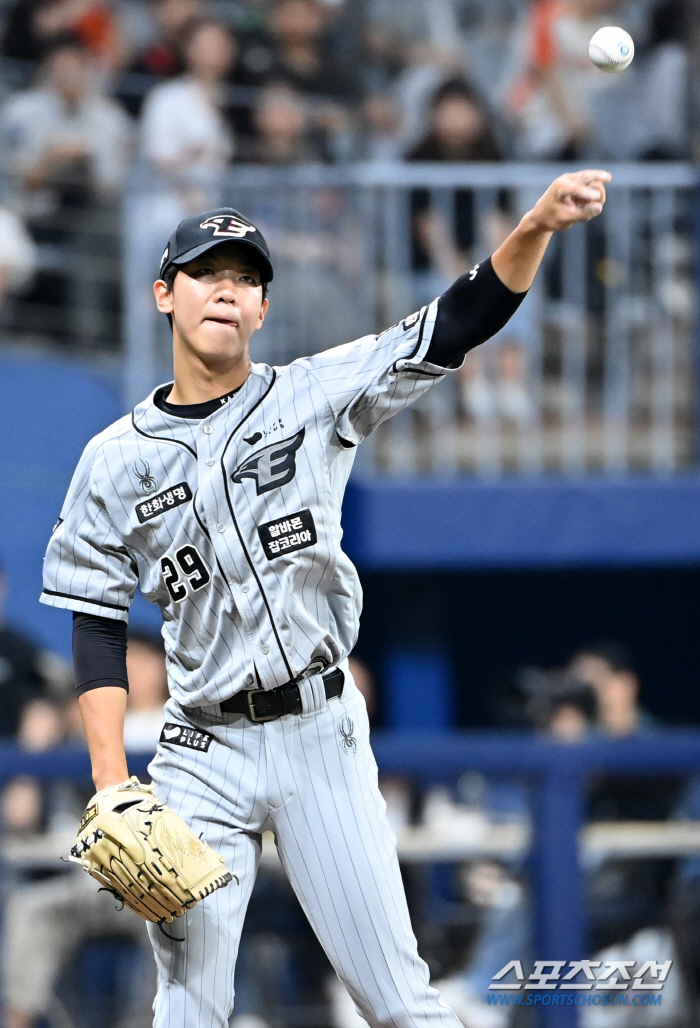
[263, 312]
[164, 298]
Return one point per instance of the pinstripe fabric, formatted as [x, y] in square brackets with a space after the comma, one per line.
[312, 780]
[283, 444]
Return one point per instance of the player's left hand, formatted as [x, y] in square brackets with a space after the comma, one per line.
[142, 852]
[571, 198]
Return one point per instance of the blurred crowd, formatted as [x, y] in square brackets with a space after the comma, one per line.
[192, 87]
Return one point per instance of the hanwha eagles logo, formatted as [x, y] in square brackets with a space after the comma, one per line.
[228, 226]
[142, 470]
[273, 466]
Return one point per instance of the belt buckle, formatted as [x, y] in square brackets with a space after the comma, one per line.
[257, 719]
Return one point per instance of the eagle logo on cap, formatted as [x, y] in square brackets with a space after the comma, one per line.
[229, 226]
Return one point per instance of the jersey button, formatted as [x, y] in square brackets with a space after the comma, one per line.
[211, 463]
[244, 588]
[265, 649]
[207, 430]
[220, 527]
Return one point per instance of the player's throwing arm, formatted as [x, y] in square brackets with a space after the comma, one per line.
[571, 199]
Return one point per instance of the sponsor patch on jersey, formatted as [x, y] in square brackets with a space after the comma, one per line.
[273, 465]
[287, 534]
[149, 509]
[183, 735]
[410, 321]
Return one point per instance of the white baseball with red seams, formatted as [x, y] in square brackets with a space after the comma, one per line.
[611, 49]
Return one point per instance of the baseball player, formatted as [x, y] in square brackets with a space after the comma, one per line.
[220, 496]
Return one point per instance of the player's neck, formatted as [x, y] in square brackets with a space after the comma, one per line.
[196, 382]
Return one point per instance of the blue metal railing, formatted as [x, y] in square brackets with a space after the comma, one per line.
[558, 774]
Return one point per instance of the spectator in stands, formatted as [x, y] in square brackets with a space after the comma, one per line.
[551, 82]
[18, 254]
[380, 128]
[607, 667]
[303, 59]
[65, 142]
[47, 921]
[493, 381]
[299, 54]
[459, 127]
[624, 896]
[162, 54]
[27, 805]
[458, 130]
[183, 131]
[173, 21]
[570, 711]
[283, 130]
[33, 25]
[21, 674]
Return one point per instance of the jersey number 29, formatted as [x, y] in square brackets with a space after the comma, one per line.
[194, 569]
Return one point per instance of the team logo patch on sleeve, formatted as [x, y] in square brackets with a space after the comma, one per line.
[173, 497]
[183, 735]
[410, 321]
[287, 534]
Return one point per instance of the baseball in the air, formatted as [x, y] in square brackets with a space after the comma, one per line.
[611, 49]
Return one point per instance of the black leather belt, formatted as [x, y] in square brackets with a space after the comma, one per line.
[269, 704]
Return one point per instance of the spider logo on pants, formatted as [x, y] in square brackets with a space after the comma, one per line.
[346, 729]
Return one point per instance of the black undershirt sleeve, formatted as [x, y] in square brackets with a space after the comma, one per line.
[472, 310]
[99, 652]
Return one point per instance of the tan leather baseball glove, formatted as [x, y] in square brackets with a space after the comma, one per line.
[145, 854]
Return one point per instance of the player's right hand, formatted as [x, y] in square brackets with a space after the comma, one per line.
[571, 198]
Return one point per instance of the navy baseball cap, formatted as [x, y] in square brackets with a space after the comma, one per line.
[201, 232]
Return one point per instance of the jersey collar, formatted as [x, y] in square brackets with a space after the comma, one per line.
[152, 421]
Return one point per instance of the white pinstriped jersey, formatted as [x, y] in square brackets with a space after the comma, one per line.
[231, 524]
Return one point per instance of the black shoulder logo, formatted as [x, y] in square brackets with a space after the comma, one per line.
[142, 470]
[273, 466]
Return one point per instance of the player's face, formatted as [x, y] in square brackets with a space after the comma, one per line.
[216, 304]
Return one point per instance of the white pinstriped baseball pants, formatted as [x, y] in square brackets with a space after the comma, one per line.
[312, 780]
